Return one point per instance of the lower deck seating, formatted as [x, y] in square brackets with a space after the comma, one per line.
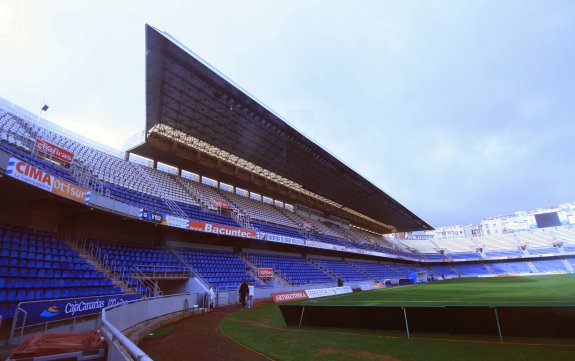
[340, 269]
[473, 269]
[128, 259]
[222, 269]
[402, 270]
[376, 271]
[443, 271]
[510, 267]
[293, 268]
[36, 265]
[554, 265]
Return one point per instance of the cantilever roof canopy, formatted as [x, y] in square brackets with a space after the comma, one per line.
[186, 94]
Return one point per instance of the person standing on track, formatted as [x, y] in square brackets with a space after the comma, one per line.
[243, 292]
[212, 294]
[251, 292]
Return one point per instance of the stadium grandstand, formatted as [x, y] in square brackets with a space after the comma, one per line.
[216, 188]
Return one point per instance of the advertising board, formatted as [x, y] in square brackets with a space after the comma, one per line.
[220, 203]
[54, 310]
[332, 291]
[37, 177]
[54, 151]
[289, 296]
[265, 272]
[174, 221]
[151, 216]
[221, 230]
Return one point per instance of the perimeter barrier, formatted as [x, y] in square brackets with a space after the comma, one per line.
[116, 320]
[498, 321]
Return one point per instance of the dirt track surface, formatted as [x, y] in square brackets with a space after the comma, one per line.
[198, 338]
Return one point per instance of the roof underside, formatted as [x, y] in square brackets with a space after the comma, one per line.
[185, 93]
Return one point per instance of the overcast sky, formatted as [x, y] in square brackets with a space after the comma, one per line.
[460, 110]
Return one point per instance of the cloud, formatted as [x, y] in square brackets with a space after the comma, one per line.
[458, 109]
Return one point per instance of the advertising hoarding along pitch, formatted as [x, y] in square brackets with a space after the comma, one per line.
[309, 294]
[38, 178]
[289, 296]
[55, 151]
[331, 291]
[54, 310]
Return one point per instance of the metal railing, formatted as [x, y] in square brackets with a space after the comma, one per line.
[192, 272]
[117, 319]
[119, 275]
[23, 323]
[192, 192]
[238, 214]
[156, 272]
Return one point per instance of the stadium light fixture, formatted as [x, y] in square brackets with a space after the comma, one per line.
[43, 109]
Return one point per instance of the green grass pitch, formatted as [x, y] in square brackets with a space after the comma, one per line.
[555, 290]
[264, 330]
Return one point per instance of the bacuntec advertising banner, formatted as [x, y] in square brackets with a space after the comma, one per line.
[54, 310]
[222, 230]
[55, 151]
[38, 178]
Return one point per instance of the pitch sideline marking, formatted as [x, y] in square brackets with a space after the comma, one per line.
[398, 337]
[450, 302]
[242, 345]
